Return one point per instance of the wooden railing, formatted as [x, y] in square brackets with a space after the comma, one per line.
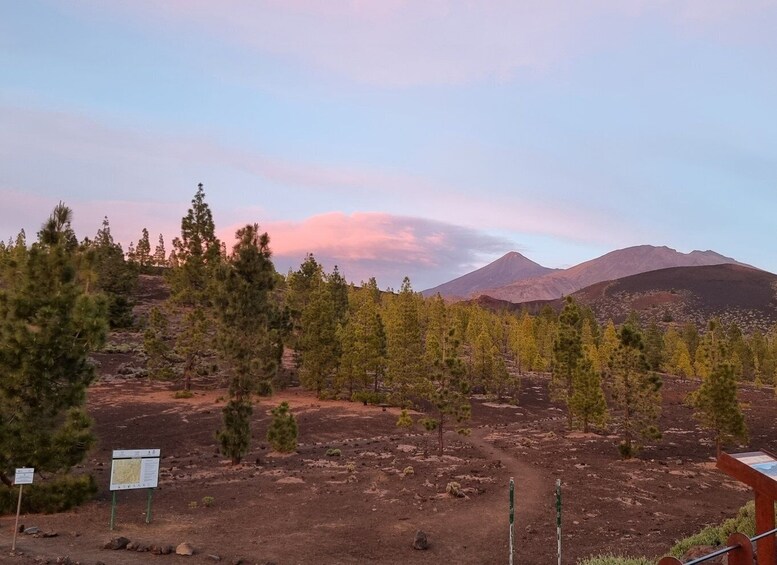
[739, 549]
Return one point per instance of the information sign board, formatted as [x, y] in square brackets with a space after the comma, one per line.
[24, 476]
[134, 469]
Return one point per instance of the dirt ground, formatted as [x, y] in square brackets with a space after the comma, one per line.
[366, 505]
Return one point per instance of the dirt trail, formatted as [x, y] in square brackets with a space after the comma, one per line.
[531, 496]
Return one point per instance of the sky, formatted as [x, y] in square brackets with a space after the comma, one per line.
[398, 138]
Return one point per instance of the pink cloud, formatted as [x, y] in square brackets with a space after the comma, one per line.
[388, 247]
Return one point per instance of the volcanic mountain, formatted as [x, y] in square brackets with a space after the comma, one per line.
[507, 269]
[614, 265]
[732, 293]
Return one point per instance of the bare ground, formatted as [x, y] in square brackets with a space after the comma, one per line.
[365, 505]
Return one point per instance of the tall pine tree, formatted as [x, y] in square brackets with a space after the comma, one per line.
[48, 328]
[247, 313]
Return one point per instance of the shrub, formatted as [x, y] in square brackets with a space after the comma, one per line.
[183, 394]
[454, 489]
[333, 452]
[369, 397]
[407, 471]
[404, 420]
[207, 501]
[282, 433]
[56, 495]
[743, 522]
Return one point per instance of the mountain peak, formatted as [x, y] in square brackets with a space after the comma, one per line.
[509, 268]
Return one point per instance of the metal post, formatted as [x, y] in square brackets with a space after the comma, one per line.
[113, 509]
[18, 511]
[558, 519]
[148, 506]
[512, 519]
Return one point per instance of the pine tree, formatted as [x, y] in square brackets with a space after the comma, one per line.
[113, 275]
[143, 252]
[716, 406]
[404, 344]
[197, 254]
[160, 255]
[318, 344]
[282, 433]
[247, 311]
[524, 344]
[156, 338]
[48, 328]
[363, 344]
[587, 404]
[607, 347]
[567, 355]
[636, 392]
[447, 390]
[191, 344]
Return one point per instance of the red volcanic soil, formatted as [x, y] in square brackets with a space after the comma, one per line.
[366, 505]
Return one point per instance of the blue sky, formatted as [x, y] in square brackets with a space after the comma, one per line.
[398, 138]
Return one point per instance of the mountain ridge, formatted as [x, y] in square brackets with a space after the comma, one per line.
[610, 266]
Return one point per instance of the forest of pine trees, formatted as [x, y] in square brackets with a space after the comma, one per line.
[231, 316]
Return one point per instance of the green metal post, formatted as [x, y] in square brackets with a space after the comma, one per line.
[148, 506]
[113, 509]
[512, 519]
[558, 519]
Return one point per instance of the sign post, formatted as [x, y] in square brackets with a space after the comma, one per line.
[22, 477]
[757, 469]
[134, 469]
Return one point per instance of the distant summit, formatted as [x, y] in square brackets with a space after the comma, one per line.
[507, 269]
[614, 265]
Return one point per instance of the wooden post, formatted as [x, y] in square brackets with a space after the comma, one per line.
[743, 555]
[764, 521]
[16, 525]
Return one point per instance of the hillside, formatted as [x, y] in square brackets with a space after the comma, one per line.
[733, 293]
[614, 265]
[507, 269]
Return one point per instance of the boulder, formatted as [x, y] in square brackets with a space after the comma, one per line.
[184, 548]
[420, 542]
[117, 543]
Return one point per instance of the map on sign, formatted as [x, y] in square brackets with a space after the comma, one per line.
[760, 461]
[133, 469]
[126, 471]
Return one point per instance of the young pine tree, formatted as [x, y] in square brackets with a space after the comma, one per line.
[716, 406]
[282, 433]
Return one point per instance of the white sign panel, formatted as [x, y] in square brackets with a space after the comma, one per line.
[23, 476]
[135, 468]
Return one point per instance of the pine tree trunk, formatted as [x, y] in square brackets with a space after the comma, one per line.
[439, 432]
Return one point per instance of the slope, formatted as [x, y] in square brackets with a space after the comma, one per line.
[507, 269]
